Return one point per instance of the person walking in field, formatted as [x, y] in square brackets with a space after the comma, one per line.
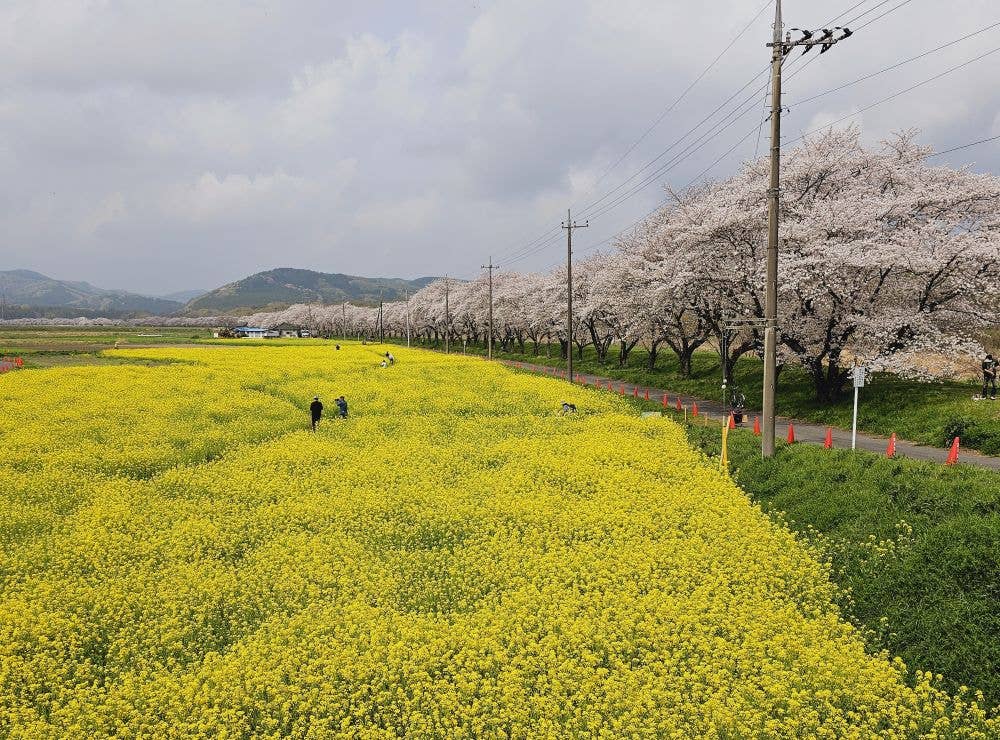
[342, 406]
[990, 367]
[390, 358]
[316, 411]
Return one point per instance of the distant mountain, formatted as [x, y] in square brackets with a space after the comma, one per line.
[31, 293]
[183, 296]
[284, 286]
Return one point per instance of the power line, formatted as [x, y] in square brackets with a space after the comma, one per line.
[681, 97]
[666, 151]
[883, 15]
[856, 18]
[550, 237]
[964, 146]
[709, 116]
[529, 246]
[895, 66]
[853, 7]
[714, 131]
[895, 95]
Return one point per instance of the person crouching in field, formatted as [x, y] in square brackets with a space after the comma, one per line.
[990, 368]
[316, 410]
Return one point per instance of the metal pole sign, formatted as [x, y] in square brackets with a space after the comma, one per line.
[860, 373]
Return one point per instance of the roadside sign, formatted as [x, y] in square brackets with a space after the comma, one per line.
[860, 375]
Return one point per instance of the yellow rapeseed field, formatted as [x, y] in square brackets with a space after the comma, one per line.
[180, 556]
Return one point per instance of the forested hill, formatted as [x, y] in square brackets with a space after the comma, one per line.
[29, 293]
[285, 286]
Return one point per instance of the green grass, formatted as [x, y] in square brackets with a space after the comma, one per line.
[913, 546]
[52, 346]
[927, 413]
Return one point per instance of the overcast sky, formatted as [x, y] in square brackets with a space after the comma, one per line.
[160, 146]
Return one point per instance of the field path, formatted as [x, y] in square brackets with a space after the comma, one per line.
[805, 431]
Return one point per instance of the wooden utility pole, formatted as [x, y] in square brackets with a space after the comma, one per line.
[447, 319]
[569, 225]
[407, 294]
[780, 47]
[771, 290]
[489, 337]
[381, 331]
[343, 319]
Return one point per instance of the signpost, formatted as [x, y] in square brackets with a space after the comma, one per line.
[860, 374]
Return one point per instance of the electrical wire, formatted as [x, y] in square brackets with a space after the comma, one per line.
[530, 246]
[549, 237]
[681, 97]
[894, 66]
[710, 134]
[883, 15]
[894, 95]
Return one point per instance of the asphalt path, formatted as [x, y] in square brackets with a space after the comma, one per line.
[806, 432]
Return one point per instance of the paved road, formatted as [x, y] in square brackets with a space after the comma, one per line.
[804, 431]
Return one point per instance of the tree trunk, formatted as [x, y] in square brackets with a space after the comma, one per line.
[624, 350]
[828, 381]
[653, 352]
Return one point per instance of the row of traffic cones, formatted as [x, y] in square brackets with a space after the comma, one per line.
[890, 450]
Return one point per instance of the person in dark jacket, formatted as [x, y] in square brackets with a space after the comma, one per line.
[342, 405]
[990, 368]
[316, 410]
[738, 405]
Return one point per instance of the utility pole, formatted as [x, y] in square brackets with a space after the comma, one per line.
[780, 48]
[343, 319]
[407, 318]
[381, 331]
[489, 337]
[569, 225]
[447, 319]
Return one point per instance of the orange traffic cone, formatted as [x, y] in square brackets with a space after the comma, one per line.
[732, 422]
[756, 426]
[621, 389]
[828, 442]
[635, 391]
[890, 451]
[953, 454]
[609, 386]
[694, 409]
[647, 394]
[679, 407]
[791, 433]
[665, 404]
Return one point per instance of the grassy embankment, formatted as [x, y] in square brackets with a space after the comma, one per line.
[927, 413]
